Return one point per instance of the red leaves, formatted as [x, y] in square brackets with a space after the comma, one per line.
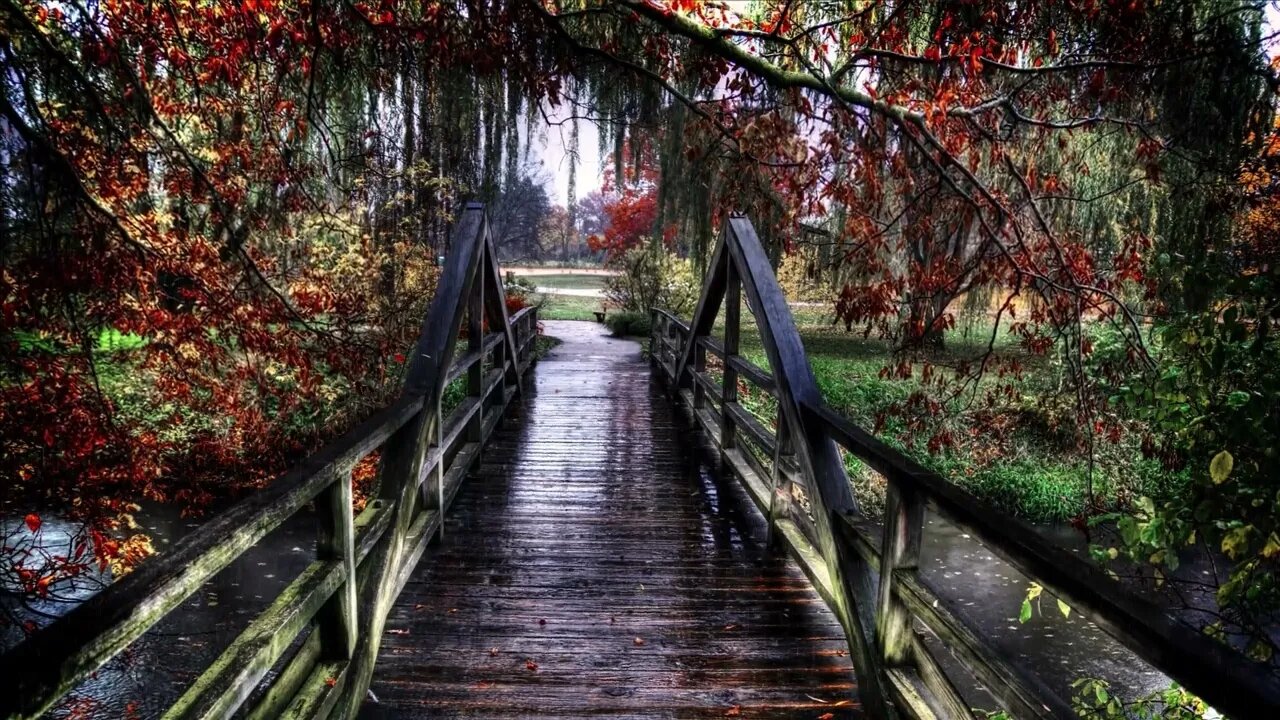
[33, 522]
[630, 219]
[515, 303]
[530, 665]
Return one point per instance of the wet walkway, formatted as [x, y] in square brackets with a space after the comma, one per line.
[597, 565]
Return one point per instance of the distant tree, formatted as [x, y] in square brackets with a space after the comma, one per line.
[516, 218]
[593, 215]
[630, 218]
[556, 234]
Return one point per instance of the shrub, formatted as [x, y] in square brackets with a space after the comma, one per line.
[629, 323]
[651, 276]
[800, 282]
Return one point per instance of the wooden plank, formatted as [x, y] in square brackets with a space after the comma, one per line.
[900, 550]
[817, 455]
[228, 682]
[751, 425]
[495, 304]
[729, 379]
[337, 542]
[1019, 692]
[403, 457]
[468, 359]
[709, 387]
[752, 372]
[287, 683]
[704, 316]
[545, 560]
[910, 694]
[899, 645]
[475, 326]
[320, 693]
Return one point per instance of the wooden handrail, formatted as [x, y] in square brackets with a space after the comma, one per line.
[1225, 679]
[372, 553]
[872, 583]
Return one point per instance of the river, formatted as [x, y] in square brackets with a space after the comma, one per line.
[153, 672]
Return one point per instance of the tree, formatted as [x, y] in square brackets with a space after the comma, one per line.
[630, 220]
[517, 216]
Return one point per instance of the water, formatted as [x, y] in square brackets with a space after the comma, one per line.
[989, 593]
[154, 671]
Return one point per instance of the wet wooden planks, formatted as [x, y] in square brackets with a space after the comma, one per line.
[596, 566]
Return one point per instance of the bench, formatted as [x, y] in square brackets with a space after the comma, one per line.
[599, 315]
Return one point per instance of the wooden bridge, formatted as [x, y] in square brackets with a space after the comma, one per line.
[624, 539]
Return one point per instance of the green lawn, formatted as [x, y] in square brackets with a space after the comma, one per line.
[1020, 457]
[566, 307]
[567, 281]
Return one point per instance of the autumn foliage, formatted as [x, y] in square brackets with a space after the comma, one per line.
[630, 218]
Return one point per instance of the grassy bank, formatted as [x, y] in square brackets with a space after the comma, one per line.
[1022, 456]
[569, 281]
[567, 307]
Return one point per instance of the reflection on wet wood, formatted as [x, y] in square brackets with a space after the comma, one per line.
[595, 565]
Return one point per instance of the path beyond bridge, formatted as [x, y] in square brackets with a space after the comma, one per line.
[596, 564]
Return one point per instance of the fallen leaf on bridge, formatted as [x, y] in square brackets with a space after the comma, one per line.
[639, 641]
[531, 665]
[398, 631]
[826, 716]
[734, 711]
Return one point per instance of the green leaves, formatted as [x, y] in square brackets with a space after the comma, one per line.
[1033, 594]
[1220, 467]
[1236, 541]
[1025, 614]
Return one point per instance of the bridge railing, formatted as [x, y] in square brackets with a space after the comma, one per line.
[331, 616]
[870, 576]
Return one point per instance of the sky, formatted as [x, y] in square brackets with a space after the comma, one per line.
[550, 151]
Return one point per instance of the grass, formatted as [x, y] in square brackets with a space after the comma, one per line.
[567, 307]
[568, 281]
[110, 340]
[1020, 457]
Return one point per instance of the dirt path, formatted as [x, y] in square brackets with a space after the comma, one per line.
[535, 271]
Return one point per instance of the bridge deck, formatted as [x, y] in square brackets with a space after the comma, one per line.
[597, 565]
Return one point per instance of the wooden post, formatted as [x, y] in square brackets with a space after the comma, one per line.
[903, 528]
[781, 448]
[439, 481]
[475, 340]
[732, 322]
[699, 365]
[336, 542]
[501, 356]
[654, 319]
